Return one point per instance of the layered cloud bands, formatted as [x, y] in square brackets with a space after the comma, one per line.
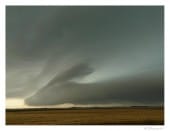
[85, 55]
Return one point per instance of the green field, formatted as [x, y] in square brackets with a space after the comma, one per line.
[87, 116]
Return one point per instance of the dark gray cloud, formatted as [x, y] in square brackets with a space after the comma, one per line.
[84, 54]
[77, 71]
[144, 89]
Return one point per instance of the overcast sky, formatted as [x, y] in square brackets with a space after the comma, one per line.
[84, 55]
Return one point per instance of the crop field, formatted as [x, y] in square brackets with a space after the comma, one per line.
[87, 116]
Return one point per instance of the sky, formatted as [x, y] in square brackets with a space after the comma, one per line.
[64, 56]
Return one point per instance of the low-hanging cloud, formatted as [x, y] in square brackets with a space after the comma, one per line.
[144, 89]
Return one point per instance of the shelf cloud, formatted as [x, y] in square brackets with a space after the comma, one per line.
[85, 54]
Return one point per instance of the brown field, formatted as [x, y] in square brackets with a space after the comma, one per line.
[87, 116]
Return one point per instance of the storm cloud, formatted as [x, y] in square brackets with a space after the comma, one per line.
[85, 54]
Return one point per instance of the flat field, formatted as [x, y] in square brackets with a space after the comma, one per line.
[87, 116]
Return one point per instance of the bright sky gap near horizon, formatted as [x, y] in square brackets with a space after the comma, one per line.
[64, 56]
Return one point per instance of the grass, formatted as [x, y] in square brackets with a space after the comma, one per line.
[87, 116]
